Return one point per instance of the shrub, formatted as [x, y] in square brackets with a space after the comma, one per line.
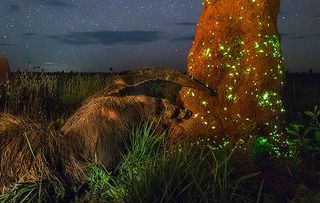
[307, 136]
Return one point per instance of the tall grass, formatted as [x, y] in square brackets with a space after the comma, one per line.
[29, 192]
[48, 96]
[154, 172]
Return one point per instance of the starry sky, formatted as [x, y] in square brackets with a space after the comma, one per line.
[96, 35]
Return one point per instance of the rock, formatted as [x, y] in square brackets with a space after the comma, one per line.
[237, 52]
[4, 69]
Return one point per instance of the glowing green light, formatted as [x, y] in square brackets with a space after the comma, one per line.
[226, 143]
[262, 140]
[204, 103]
[256, 45]
[207, 52]
[270, 100]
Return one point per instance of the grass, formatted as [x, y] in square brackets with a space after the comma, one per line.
[32, 192]
[47, 97]
[151, 170]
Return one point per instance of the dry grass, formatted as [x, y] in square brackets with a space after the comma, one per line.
[26, 152]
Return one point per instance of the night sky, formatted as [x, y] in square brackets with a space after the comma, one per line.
[95, 35]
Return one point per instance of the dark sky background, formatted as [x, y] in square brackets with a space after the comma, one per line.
[94, 35]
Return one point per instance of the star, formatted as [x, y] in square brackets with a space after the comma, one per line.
[158, 32]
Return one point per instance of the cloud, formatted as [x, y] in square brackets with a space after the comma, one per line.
[108, 37]
[184, 38]
[55, 3]
[59, 4]
[5, 44]
[186, 24]
[14, 7]
[29, 34]
[300, 36]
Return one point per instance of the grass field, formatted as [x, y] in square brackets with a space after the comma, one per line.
[152, 171]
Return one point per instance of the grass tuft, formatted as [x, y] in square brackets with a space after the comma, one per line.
[33, 192]
[154, 172]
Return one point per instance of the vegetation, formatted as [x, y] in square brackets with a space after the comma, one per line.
[307, 136]
[154, 171]
[48, 97]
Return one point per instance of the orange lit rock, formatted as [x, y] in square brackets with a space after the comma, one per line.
[4, 69]
[236, 51]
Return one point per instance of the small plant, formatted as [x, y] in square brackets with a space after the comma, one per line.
[307, 136]
[101, 183]
[304, 144]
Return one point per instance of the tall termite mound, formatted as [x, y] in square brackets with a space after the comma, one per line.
[236, 51]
